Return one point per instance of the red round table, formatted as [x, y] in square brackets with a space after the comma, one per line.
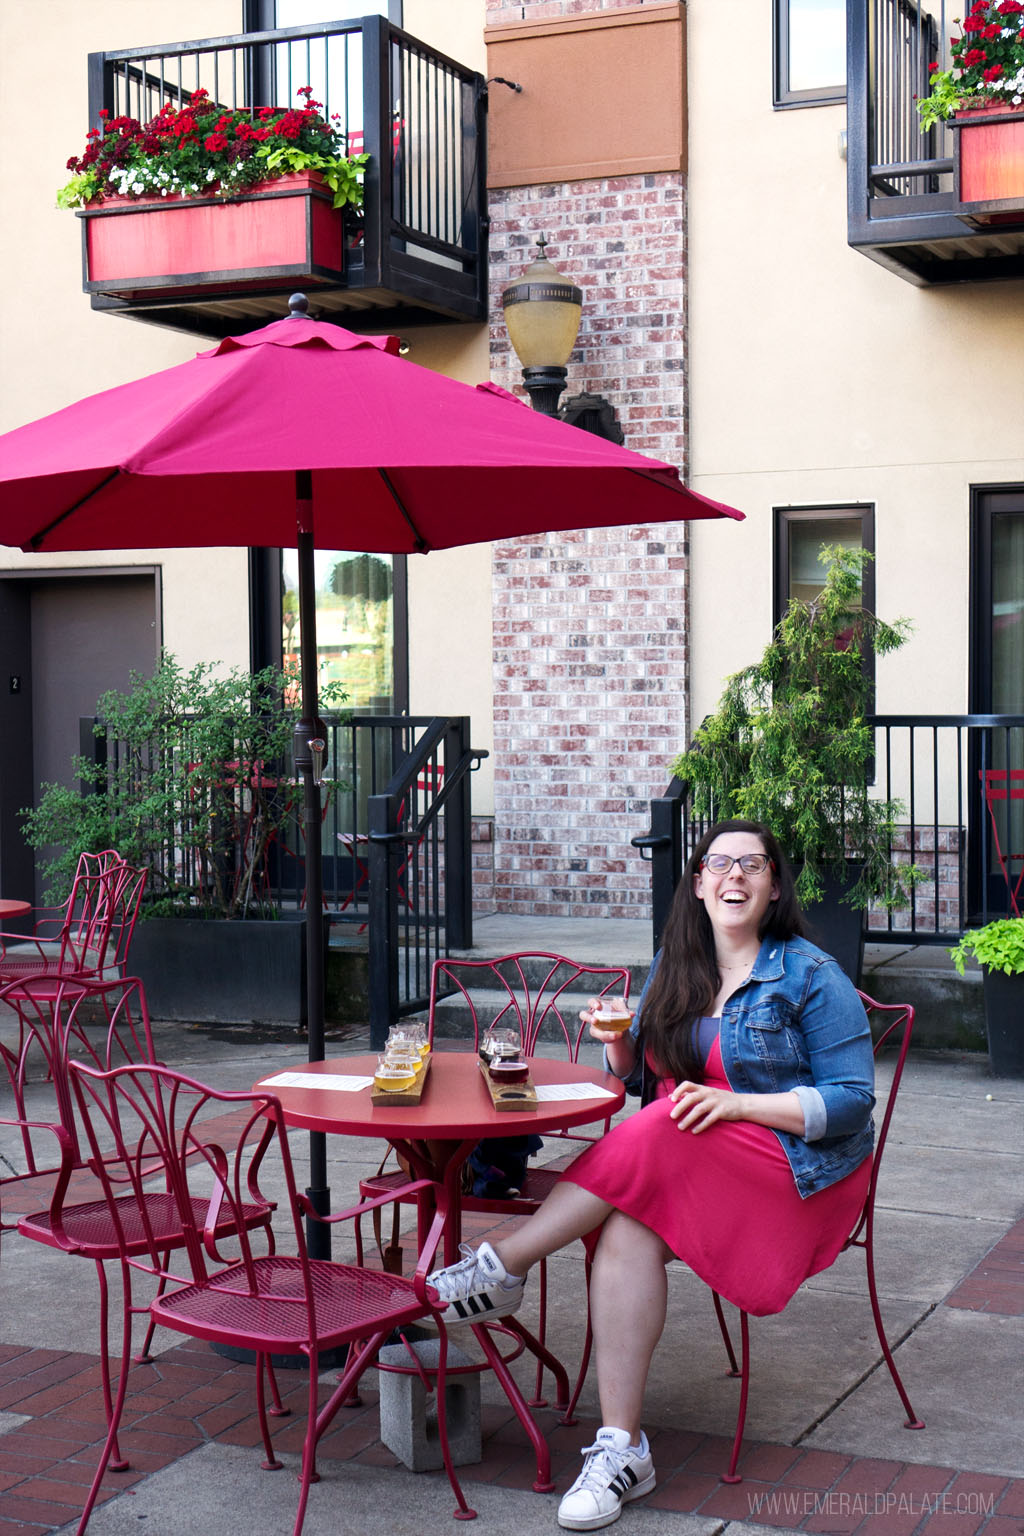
[437, 1135]
[12, 906]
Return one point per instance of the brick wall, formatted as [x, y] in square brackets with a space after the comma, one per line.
[590, 628]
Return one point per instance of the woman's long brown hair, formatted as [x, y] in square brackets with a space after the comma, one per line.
[686, 982]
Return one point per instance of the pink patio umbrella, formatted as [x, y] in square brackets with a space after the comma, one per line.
[306, 433]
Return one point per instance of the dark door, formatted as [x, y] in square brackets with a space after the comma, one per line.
[997, 680]
[68, 639]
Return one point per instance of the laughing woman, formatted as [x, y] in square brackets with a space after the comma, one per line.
[749, 1160]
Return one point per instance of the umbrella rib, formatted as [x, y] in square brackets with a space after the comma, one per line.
[421, 544]
[37, 538]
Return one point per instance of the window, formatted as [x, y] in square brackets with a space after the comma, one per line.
[810, 52]
[263, 15]
[800, 533]
[355, 624]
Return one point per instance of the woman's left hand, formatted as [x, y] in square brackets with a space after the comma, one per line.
[696, 1106]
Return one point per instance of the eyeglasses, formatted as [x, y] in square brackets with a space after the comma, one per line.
[750, 863]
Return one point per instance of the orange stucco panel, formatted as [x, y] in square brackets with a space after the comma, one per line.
[603, 95]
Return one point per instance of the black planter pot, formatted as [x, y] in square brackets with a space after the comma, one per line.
[1004, 1023]
[215, 971]
[835, 926]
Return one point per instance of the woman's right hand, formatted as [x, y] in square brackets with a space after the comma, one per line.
[590, 1017]
[619, 1045]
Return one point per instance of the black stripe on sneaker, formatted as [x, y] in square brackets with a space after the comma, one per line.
[623, 1481]
[472, 1305]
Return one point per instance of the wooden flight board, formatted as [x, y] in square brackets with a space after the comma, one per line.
[509, 1097]
[407, 1095]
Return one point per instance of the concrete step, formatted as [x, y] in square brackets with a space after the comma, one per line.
[949, 1008]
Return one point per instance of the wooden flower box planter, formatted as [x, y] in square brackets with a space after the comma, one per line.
[988, 165]
[280, 234]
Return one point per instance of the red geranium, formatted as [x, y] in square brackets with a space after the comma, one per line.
[200, 147]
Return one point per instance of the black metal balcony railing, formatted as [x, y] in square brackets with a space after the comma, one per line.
[962, 825]
[420, 249]
[900, 180]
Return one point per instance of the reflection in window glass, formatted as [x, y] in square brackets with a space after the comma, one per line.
[1008, 613]
[806, 537]
[355, 624]
[817, 44]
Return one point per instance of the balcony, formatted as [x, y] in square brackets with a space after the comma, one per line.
[418, 253]
[901, 199]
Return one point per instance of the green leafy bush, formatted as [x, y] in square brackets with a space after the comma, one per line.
[999, 946]
[194, 784]
[790, 745]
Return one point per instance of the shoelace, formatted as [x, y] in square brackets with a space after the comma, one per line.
[602, 1464]
[457, 1278]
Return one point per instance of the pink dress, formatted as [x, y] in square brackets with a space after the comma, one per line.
[724, 1201]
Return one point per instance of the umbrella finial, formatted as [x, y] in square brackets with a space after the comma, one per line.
[298, 307]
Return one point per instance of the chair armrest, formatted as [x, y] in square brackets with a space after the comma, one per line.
[424, 1294]
[68, 1163]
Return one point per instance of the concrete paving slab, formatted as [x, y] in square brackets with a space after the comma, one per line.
[804, 1360]
[918, 1256]
[216, 1490]
[965, 1375]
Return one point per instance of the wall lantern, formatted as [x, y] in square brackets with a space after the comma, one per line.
[542, 313]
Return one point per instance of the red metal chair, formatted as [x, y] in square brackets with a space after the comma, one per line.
[107, 1024]
[91, 934]
[896, 1026]
[1002, 786]
[536, 1008]
[210, 1144]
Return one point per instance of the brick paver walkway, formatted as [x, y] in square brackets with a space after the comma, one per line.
[190, 1396]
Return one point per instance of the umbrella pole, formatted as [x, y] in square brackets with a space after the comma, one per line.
[308, 749]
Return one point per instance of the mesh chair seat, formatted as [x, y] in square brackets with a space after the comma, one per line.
[345, 1298]
[91, 1228]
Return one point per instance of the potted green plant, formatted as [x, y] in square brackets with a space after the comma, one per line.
[191, 780]
[201, 192]
[998, 948]
[983, 92]
[790, 745]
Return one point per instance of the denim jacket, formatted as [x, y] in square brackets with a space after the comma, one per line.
[797, 1025]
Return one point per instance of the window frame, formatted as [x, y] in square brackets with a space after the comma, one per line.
[785, 517]
[783, 97]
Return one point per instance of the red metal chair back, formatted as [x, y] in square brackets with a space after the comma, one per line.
[105, 1023]
[539, 993]
[92, 933]
[1001, 786]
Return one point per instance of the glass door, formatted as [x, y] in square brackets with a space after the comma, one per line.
[998, 689]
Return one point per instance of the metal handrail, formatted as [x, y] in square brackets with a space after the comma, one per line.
[935, 765]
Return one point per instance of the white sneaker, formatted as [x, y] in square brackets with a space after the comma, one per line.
[613, 1473]
[478, 1288]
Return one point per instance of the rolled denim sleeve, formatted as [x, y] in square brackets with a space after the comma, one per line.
[815, 1114]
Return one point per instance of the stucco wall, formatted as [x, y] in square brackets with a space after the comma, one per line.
[819, 377]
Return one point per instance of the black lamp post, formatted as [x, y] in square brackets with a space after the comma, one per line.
[542, 314]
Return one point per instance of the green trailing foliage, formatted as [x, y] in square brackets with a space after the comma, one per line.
[999, 946]
[195, 784]
[790, 745]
